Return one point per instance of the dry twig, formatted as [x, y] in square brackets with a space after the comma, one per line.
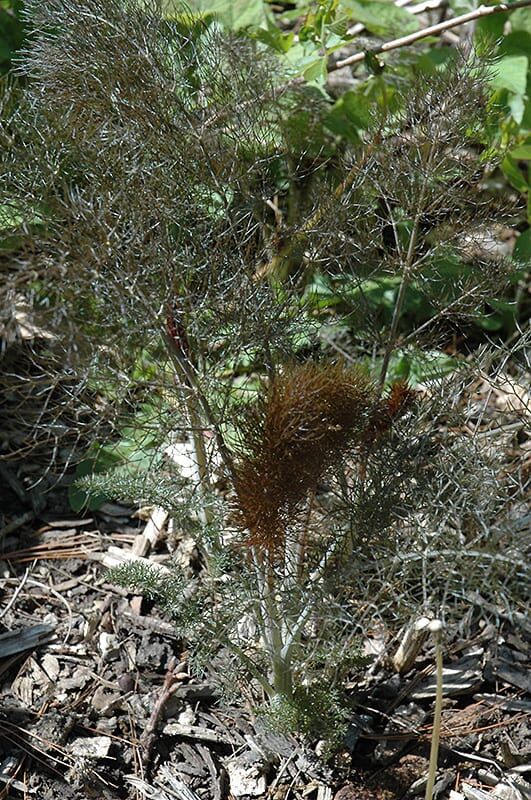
[432, 30]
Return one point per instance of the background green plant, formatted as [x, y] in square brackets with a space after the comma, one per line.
[11, 32]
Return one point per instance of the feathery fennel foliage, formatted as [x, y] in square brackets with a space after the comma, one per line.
[187, 225]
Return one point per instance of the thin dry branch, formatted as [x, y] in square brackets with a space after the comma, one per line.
[419, 8]
[432, 30]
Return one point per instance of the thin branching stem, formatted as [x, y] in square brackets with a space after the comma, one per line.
[201, 403]
[314, 577]
[407, 270]
[473, 291]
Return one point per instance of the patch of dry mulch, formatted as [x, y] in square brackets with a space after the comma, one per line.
[97, 699]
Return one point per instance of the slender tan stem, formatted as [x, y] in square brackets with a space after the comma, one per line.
[419, 8]
[436, 630]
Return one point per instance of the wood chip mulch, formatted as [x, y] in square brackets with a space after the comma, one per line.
[97, 700]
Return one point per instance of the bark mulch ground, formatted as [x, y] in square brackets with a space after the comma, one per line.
[97, 700]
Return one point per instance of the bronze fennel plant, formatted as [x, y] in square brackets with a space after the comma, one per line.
[185, 218]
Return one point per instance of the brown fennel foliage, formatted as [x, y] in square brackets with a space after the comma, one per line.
[304, 425]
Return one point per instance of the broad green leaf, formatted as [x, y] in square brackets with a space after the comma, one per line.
[245, 388]
[349, 115]
[236, 14]
[490, 28]
[418, 367]
[430, 366]
[216, 204]
[434, 59]
[526, 119]
[522, 248]
[316, 70]
[516, 44]
[304, 57]
[13, 216]
[489, 322]
[501, 315]
[10, 217]
[522, 152]
[513, 174]
[510, 73]
[339, 27]
[521, 20]
[320, 293]
[382, 18]
[11, 36]
[274, 38]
